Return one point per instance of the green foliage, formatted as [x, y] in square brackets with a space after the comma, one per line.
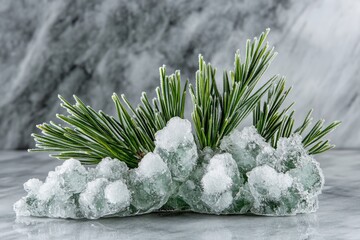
[272, 122]
[267, 117]
[216, 114]
[313, 140]
[90, 136]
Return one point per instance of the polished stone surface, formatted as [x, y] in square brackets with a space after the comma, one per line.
[337, 218]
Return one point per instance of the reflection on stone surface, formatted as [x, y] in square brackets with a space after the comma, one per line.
[337, 218]
[171, 226]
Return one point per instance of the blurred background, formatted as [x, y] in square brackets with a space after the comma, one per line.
[93, 48]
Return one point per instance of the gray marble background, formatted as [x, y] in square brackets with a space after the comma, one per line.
[93, 48]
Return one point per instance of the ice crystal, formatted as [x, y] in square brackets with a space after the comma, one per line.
[244, 175]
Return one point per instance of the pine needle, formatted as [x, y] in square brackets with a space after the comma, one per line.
[273, 123]
[216, 114]
[91, 136]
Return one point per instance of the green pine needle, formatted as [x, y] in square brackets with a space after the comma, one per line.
[273, 123]
[216, 114]
[91, 136]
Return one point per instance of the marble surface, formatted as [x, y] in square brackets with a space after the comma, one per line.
[93, 48]
[337, 218]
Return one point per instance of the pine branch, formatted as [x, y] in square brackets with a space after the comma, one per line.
[273, 123]
[92, 136]
[216, 115]
[313, 139]
[267, 116]
[170, 102]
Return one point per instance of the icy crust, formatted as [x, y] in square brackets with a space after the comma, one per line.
[176, 146]
[245, 175]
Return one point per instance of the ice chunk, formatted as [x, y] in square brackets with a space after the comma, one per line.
[273, 192]
[53, 201]
[220, 182]
[117, 196]
[251, 177]
[32, 186]
[72, 176]
[63, 205]
[309, 175]
[111, 169]
[267, 155]
[248, 148]
[243, 200]
[215, 182]
[264, 180]
[289, 152]
[191, 190]
[176, 146]
[150, 183]
[21, 208]
[310, 180]
[92, 200]
[177, 131]
[57, 196]
[31, 205]
[50, 187]
[41, 199]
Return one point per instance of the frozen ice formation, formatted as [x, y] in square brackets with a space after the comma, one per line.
[271, 190]
[102, 198]
[109, 169]
[176, 145]
[150, 183]
[220, 182]
[58, 195]
[244, 175]
[248, 148]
